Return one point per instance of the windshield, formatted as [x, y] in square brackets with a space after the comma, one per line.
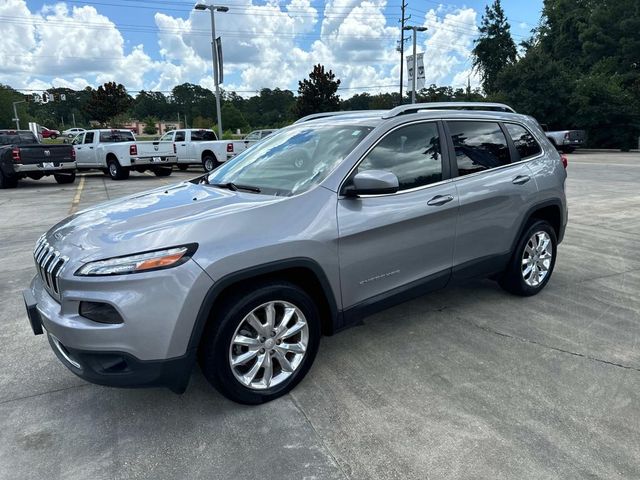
[292, 160]
[116, 136]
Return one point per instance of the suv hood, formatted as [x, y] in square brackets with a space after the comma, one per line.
[160, 218]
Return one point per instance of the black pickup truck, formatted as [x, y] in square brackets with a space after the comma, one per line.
[22, 155]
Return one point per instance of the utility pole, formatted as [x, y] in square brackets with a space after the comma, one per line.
[73, 116]
[216, 60]
[15, 113]
[415, 58]
[401, 46]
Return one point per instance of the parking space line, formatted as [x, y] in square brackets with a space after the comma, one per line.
[76, 198]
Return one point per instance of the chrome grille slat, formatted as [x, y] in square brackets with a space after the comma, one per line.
[49, 263]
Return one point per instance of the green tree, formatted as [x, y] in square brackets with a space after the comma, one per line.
[318, 93]
[150, 104]
[495, 49]
[150, 125]
[7, 96]
[232, 118]
[107, 102]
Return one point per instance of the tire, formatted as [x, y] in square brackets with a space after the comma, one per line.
[210, 163]
[64, 178]
[54, 136]
[116, 171]
[230, 321]
[515, 278]
[183, 167]
[162, 172]
[7, 182]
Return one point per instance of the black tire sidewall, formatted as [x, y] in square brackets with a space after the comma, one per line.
[513, 281]
[214, 162]
[215, 349]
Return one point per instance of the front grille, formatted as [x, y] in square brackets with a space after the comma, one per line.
[49, 264]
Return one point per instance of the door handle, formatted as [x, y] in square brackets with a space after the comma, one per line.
[90, 148]
[521, 179]
[439, 200]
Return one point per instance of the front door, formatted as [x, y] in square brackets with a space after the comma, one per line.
[392, 243]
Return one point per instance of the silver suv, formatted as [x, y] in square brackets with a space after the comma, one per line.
[302, 235]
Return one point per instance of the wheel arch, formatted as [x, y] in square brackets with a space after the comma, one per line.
[550, 211]
[304, 272]
[206, 152]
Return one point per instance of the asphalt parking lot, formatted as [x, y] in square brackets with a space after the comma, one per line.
[469, 382]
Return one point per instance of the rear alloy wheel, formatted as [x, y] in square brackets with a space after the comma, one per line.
[210, 163]
[63, 178]
[261, 342]
[116, 171]
[532, 263]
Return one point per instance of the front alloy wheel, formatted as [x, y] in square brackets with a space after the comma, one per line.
[260, 342]
[269, 345]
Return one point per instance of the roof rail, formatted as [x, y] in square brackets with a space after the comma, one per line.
[416, 107]
[315, 116]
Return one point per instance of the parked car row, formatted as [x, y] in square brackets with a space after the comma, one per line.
[116, 152]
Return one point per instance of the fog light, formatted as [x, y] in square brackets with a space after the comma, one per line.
[100, 312]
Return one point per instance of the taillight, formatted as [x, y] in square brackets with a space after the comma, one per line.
[565, 160]
[175, 150]
[133, 149]
[229, 147]
[73, 154]
[15, 153]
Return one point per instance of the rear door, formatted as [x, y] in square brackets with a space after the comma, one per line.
[398, 242]
[494, 187]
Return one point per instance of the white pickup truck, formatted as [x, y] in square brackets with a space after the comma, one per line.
[202, 147]
[116, 152]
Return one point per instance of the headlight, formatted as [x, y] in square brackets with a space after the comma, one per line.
[141, 262]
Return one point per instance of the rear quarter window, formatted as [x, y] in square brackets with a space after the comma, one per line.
[525, 143]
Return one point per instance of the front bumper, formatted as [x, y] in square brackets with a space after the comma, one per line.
[150, 346]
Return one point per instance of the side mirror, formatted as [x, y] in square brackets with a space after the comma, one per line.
[372, 182]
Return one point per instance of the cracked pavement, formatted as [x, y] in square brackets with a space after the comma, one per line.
[468, 382]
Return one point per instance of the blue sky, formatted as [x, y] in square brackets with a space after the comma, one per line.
[156, 44]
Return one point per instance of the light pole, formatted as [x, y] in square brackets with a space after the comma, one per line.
[415, 59]
[216, 74]
[15, 113]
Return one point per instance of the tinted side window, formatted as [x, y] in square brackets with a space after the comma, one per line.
[479, 146]
[411, 152]
[88, 137]
[202, 135]
[524, 141]
[180, 136]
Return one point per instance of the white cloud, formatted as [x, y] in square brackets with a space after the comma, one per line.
[269, 45]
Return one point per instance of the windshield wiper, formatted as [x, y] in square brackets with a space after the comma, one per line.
[235, 187]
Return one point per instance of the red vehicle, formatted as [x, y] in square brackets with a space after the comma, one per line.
[46, 133]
